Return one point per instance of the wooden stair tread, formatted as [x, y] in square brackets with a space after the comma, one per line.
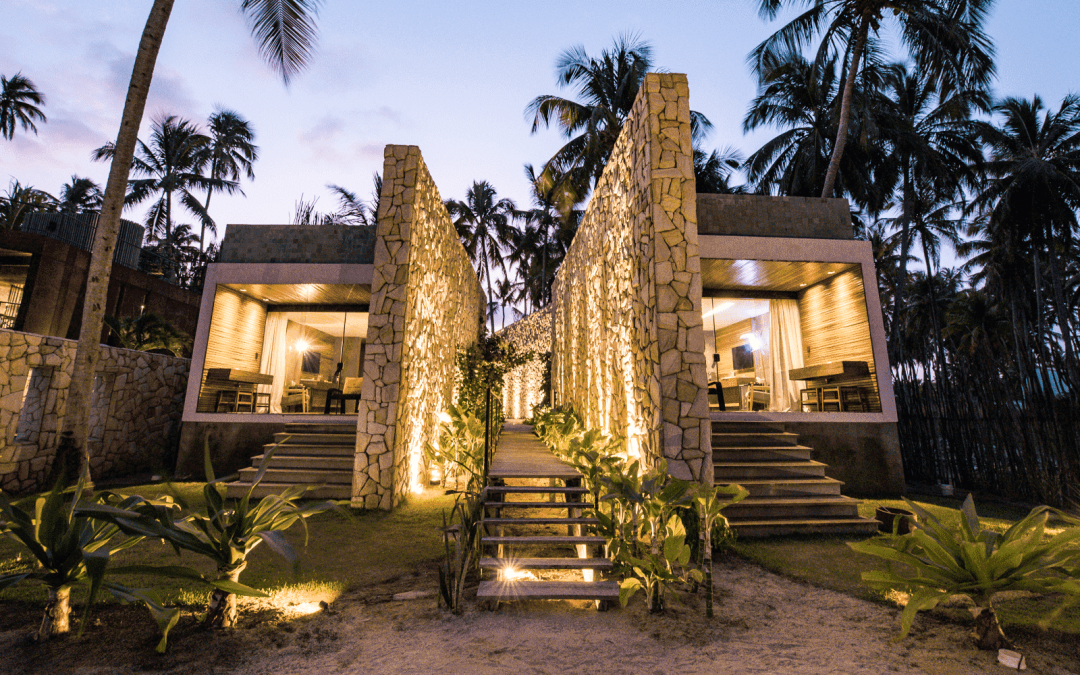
[547, 563]
[800, 521]
[541, 539]
[785, 481]
[548, 590]
[538, 505]
[533, 489]
[779, 501]
[540, 521]
[768, 463]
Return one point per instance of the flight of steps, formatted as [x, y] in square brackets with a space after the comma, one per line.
[524, 524]
[320, 455]
[789, 492]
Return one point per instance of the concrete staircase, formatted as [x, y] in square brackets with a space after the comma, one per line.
[789, 492]
[319, 455]
[538, 544]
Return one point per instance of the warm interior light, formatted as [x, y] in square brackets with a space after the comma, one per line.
[436, 474]
[753, 340]
[719, 308]
[302, 345]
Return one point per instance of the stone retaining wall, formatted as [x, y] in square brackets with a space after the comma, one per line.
[135, 409]
[523, 386]
[426, 301]
[627, 339]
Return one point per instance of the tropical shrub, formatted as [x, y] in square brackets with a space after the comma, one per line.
[976, 563]
[459, 449]
[69, 548]
[224, 531]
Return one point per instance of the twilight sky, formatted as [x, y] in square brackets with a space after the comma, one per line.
[451, 77]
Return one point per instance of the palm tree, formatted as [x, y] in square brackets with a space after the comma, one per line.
[799, 98]
[232, 152]
[285, 31]
[539, 246]
[81, 194]
[944, 38]
[934, 153]
[21, 200]
[19, 101]
[607, 88]
[713, 171]
[1032, 193]
[483, 223]
[172, 164]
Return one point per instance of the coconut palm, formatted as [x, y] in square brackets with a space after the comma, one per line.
[483, 223]
[713, 171]
[81, 194]
[232, 152]
[539, 246]
[21, 200]
[285, 32]
[944, 38]
[171, 164]
[798, 97]
[606, 88]
[19, 101]
[1032, 194]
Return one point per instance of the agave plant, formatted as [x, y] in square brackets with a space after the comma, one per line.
[225, 531]
[69, 549]
[976, 563]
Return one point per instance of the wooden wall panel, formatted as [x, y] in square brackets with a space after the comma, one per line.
[726, 338]
[235, 339]
[835, 327]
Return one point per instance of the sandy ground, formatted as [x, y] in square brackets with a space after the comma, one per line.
[765, 624]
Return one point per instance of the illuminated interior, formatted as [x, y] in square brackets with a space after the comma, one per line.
[14, 268]
[787, 337]
[285, 349]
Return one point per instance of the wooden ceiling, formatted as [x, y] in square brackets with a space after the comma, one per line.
[766, 275]
[306, 294]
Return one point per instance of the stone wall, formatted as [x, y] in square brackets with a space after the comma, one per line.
[425, 301]
[627, 339]
[523, 386]
[298, 244]
[135, 408]
[766, 216]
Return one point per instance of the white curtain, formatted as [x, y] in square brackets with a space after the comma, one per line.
[273, 358]
[759, 326]
[786, 353]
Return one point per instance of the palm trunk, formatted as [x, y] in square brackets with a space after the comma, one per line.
[57, 619]
[222, 609]
[206, 207]
[845, 107]
[901, 281]
[77, 417]
[933, 312]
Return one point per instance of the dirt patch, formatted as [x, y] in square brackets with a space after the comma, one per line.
[765, 624]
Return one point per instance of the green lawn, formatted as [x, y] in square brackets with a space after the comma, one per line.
[344, 550]
[829, 563]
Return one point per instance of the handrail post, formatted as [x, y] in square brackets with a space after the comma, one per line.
[487, 433]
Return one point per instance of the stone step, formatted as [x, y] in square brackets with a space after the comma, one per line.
[773, 527]
[311, 449]
[541, 539]
[324, 439]
[300, 476]
[754, 439]
[534, 489]
[305, 428]
[284, 460]
[791, 487]
[547, 563]
[793, 507]
[779, 453]
[238, 489]
[733, 472]
[537, 505]
[547, 590]
[746, 427]
[540, 521]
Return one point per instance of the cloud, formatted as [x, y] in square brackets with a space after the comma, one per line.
[325, 130]
[169, 91]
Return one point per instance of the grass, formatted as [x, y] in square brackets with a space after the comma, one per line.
[827, 562]
[343, 550]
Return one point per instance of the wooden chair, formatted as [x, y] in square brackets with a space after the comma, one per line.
[853, 399]
[262, 402]
[830, 399]
[227, 398]
[759, 397]
[296, 396]
[810, 399]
